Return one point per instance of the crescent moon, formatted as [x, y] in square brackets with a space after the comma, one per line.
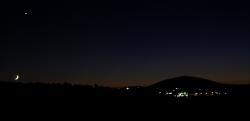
[17, 77]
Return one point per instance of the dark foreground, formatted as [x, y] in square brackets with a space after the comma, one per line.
[132, 95]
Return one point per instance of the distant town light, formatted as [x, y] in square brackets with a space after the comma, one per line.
[127, 88]
[182, 94]
[169, 93]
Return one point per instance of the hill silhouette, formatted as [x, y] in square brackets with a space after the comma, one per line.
[186, 82]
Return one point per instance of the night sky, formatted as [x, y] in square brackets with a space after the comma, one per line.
[125, 42]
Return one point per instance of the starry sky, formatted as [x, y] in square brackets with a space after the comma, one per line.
[125, 42]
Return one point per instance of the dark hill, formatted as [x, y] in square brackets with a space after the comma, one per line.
[186, 82]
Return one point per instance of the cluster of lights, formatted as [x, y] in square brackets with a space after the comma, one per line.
[182, 94]
[176, 92]
[208, 93]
